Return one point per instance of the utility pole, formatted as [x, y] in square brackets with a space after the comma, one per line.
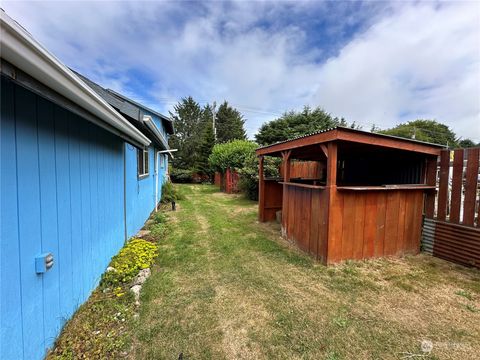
[214, 105]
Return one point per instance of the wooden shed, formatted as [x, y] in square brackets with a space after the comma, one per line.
[366, 199]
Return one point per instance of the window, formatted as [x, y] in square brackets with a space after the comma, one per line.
[142, 162]
[162, 161]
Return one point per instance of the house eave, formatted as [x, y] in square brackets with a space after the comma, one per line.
[20, 49]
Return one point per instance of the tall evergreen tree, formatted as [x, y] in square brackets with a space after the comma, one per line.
[187, 117]
[207, 141]
[229, 124]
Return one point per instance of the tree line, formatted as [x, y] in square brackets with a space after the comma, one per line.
[197, 130]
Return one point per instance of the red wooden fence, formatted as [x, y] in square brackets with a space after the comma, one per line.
[451, 228]
[228, 182]
[218, 179]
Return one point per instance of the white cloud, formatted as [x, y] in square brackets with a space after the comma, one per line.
[422, 61]
[415, 60]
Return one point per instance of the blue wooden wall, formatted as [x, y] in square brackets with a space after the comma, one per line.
[140, 193]
[61, 192]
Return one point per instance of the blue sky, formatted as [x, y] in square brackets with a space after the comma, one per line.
[371, 62]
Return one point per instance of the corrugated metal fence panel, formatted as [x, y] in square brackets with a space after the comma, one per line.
[452, 242]
[428, 235]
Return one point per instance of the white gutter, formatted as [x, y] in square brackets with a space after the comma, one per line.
[20, 49]
[169, 152]
[147, 119]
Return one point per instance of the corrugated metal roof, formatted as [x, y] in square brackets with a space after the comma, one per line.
[352, 130]
[133, 110]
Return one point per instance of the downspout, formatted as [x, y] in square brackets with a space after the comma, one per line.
[157, 165]
[125, 190]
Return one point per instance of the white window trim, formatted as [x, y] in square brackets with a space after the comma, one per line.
[145, 164]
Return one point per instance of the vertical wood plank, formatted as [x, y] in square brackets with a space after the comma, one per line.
[76, 209]
[335, 208]
[457, 178]
[29, 215]
[11, 292]
[417, 222]
[348, 230]
[315, 223]
[410, 202]
[471, 178]
[380, 224]
[359, 225]
[430, 179]
[308, 215]
[443, 185]
[391, 223]
[48, 194]
[86, 233]
[370, 225]
[323, 227]
[64, 218]
[401, 241]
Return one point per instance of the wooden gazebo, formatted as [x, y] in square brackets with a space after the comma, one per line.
[366, 201]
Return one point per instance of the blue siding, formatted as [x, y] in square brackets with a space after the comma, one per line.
[140, 193]
[61, 192]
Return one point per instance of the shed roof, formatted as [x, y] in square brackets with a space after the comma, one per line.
[339, 133]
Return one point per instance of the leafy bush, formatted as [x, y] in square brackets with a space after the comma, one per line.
[231, 154]
[248, 181]
[136, 255]
[170, 193]
[181, 175]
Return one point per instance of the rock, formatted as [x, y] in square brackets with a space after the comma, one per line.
[136, 291]
[142, 233]
[141, 277]
[426, 346]
[111, 269]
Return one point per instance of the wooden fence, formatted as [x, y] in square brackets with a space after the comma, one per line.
[305, 170]
[228, 182]
[451, 227]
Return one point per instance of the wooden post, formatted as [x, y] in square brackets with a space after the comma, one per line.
[430, 179]
[332, 164]
[335, 213]
[261, 191]
[457, 179]
[470, 186]
[286, 165]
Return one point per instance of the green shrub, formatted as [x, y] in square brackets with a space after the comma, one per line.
[181, 175]
[248, 182]
[231, 154]
[170, 193]
[136, 255]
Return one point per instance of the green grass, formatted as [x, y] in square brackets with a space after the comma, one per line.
[228, 287]
[225, 286]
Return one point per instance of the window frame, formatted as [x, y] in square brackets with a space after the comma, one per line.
[162, 161]
[143, 165]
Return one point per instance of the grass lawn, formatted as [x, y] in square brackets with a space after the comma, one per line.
[228, 287]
